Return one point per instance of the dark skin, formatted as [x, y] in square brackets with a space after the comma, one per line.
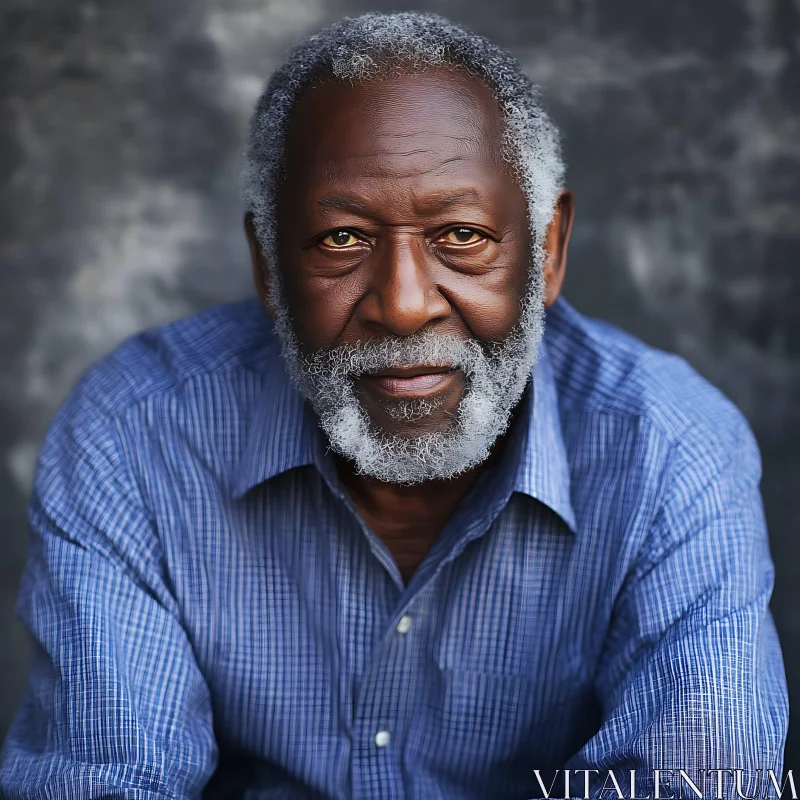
[398, 214]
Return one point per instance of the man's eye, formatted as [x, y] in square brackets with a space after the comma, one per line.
[339, 239]
[463, 236]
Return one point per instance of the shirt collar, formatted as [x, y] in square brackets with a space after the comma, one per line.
[284, 433]
[282, 427]
[543, 468]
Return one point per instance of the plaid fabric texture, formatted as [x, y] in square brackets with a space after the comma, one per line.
[210, 615]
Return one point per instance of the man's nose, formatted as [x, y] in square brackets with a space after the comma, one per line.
[403, 297]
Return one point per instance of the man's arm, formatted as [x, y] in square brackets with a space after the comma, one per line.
[692, 675]
[116, 705]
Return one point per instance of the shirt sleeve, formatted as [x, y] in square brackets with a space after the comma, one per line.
[116, 706]
[692, 675]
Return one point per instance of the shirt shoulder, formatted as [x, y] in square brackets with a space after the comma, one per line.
[224, 338]
[95, 469]
[602, 370]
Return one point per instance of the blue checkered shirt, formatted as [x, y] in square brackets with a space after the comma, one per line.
[211, 616]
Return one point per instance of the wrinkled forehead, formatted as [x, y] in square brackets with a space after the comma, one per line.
[425, 118]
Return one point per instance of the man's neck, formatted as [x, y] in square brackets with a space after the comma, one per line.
[409, 518]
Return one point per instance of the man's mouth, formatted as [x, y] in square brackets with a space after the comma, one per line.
[418, 381]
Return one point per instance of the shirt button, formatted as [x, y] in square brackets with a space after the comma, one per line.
[382, 738]
[404, 624]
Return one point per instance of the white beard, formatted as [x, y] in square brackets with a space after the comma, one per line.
[496, 376]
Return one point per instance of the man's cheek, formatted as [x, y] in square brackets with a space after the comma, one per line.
[325, 316]
[489, 315]
[318, 325]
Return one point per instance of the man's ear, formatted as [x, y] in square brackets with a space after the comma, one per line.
[261, 275]
[556, 244]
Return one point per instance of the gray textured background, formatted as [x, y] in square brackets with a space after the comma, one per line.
[121, 124]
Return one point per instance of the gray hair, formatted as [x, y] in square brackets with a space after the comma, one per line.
[367, 48]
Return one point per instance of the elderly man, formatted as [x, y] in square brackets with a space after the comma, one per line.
[379, 535]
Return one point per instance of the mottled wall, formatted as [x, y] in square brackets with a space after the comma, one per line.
[121, 124]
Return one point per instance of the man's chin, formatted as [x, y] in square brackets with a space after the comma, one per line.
[410, 419]
[437, 445]
[414, 415]
[412, 428]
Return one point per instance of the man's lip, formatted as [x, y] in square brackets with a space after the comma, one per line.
[410, 372]
[410, 381]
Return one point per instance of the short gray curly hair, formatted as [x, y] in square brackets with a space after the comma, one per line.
[367, 48]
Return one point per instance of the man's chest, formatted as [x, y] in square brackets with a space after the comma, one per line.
[314, 656]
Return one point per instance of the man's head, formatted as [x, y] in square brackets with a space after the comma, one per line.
[401, 180]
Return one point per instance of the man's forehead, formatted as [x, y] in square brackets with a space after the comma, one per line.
[436, 120]
[434, 103]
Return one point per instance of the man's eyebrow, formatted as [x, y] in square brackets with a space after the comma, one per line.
[346, 204]
[341, 202]
[457, 197]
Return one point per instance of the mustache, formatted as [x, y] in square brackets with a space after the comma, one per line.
[426, 348]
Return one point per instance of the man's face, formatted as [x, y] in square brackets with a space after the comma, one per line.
[404, 252]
